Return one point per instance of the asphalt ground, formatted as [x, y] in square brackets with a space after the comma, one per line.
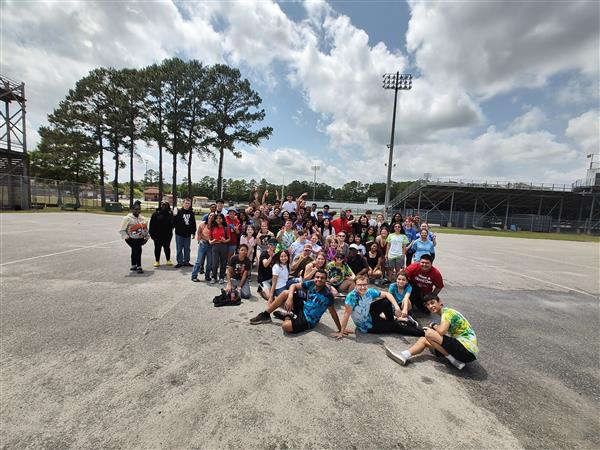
[93, 356]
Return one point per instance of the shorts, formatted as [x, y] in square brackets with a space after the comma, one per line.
[456, 349]
[284, 288]
[395, 263]
[299, 323]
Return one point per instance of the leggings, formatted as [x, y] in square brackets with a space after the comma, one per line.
[136, 251]
[389, 325]
[219, 260]
[164, 244]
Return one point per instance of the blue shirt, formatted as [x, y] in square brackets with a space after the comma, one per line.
[412, 233]
[422, 247]
[361, 308]
[316, 302]
[399, 295]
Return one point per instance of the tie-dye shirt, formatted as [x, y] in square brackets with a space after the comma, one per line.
[460, 329]
[316, 303]
[361, 308]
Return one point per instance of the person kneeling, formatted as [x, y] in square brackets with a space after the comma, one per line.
[366, 307]
[302, 314]
[453, 337]
[237, 272]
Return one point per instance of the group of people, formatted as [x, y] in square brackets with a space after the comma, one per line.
[306, 257]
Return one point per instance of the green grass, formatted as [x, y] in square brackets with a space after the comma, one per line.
[520, 234]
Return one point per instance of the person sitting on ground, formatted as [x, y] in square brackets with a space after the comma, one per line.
[265, 269]
[135, 232]
[422, 246]
[370, 236]
[360, 228]
[356, 262]
[424, 279]
[371, 220]
[374, 261]
[453, 337]
[300, 261]
[161, 232]
[319, 263]
[185, 228]
[341, 240]
[339, 275]
[304, 312]
[366, 305]
[281, 272]
[238, 270]
[381, 223]
[401, 291]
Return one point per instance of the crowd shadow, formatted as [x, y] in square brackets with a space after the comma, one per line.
[146, 274]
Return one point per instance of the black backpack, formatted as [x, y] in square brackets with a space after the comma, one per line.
[225, 299]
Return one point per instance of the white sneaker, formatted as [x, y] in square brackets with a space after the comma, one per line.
[398, 357]
[459, 365]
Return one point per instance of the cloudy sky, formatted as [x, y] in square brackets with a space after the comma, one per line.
[504, 90]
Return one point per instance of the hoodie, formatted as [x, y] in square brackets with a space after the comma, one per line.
[185, 223]
[134, 227]
[161, 225]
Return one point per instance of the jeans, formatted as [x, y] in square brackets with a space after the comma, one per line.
[219, 260]
[389, 325]
[204, 252]
[182, 245]
[244, 291]
[136, 251]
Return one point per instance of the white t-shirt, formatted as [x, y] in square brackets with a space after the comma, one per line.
[282, 274]
[289, 206]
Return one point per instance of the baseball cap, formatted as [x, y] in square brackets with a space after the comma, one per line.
[353, 246]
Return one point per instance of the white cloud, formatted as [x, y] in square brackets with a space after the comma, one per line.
[585, 131]
[531, 120]
[493, 47]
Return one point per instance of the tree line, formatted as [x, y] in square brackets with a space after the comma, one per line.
[240, 190]
[184, 108]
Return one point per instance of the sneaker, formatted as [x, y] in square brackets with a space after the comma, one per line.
[221, 281]
[140, 270]
[282, 315]
[169, 263]
[156, 264]
[201, 272]
[177, 266]
[195, 280]
[263, 317]
[411, 322]
[213, 281]
[396, 356]
[187, 264]
[133, 268]
[458, 364]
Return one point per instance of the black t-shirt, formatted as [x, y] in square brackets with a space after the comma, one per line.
[372, 262]
[357, 264]
[239, 266]
[264, 273]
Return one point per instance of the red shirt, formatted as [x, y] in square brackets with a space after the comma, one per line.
[218, 233]
[232, 234]
[424, 280]
[340, 224]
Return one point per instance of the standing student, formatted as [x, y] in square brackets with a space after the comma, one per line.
[161, 232]
[135, 232]
[453, 337]
[365, 305]
[396, 251]
[219, 239]
[263, 236]
[248, 238]
[185, 228]
[204, 248]
[233, 227]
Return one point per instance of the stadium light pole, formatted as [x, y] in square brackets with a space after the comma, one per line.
[397, 82]
[315, 168]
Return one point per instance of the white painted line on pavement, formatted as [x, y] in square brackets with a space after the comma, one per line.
[512, 272]
[59, 253]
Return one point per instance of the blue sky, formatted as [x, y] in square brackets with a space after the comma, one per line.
[503, 90]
